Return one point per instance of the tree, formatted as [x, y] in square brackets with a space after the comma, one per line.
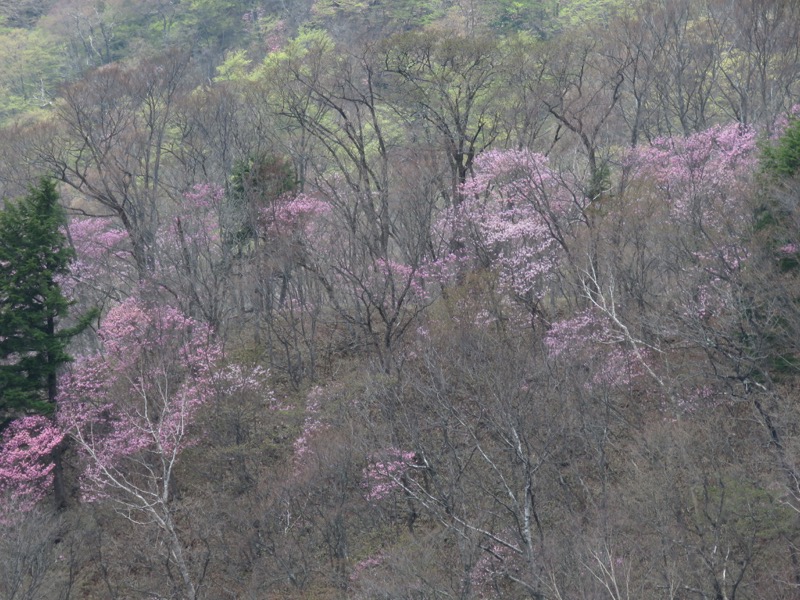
[34, 254]
[782, 160]
[759, 59]
[585, 86]
[519, 217]
[129, 411]
[111, 139]
[363, 253]
[445, 88]
[25, 471]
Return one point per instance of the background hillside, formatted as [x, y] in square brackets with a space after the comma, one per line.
[407, 299]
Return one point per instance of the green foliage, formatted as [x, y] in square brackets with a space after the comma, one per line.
[263, 178]
[30, 70]
[775, 220]
[330, 8]
[313, 42]
[214, 23]
[395, 16]
[782, 159]
[448, 84]
[34, 254]
[255, 183]
[234, 68]
[526, 15]
[574, 13]
[548, 17]
[600, 182]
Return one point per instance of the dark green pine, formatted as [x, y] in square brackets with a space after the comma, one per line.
[33, 253]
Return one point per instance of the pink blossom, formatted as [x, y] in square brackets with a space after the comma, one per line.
[496, 560]
[783, 121]
[103, 259]
[193, 232]
[293, 213]
[591, 339]
[139, 395]
[384, 474]
[368, 563]
[699, 174]
[235, 380]
[312, 425]
[26, 472]
[396, 275]
[276, 38]
[515, 211]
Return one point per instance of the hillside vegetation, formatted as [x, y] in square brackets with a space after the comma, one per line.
[400, 299]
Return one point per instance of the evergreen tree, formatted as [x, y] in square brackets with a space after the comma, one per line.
[33, 255]
[782, 160]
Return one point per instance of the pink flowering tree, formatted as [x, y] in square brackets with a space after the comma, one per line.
[103, 270]
[386, 473]
[674, 233]
[488, 572]
[518, 218]
[26, 466]
[190, 263]
[287, 228]
[292, 216]
[288, 296]
[28, 449]
[312, 425]
[592, 339]
[129, 410]
[370, 563]
[701, 177]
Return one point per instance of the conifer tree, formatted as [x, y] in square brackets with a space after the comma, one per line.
[34, 253]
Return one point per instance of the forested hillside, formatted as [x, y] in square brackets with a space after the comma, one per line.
[400, 299]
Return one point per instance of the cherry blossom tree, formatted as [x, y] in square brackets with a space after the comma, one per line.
[129, 410]
[701, 174]
[26, 468]
[678, 234]
[519, 218]
[103, 271]
[385, 473]
[590, 337]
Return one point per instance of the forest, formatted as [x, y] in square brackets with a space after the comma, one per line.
[400, 299]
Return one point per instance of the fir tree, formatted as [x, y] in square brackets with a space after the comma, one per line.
[782, 159]
[34, 253]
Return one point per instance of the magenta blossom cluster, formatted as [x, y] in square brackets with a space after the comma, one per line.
[26, 471]
[134, 401]
[103, 255]
[514, 208]
[384, 474]
[292, 214]
[590, 338]
[701, 173]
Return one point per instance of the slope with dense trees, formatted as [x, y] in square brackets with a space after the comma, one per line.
[413, 300]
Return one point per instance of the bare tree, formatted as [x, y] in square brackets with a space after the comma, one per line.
[111, 144]
[445, 87]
